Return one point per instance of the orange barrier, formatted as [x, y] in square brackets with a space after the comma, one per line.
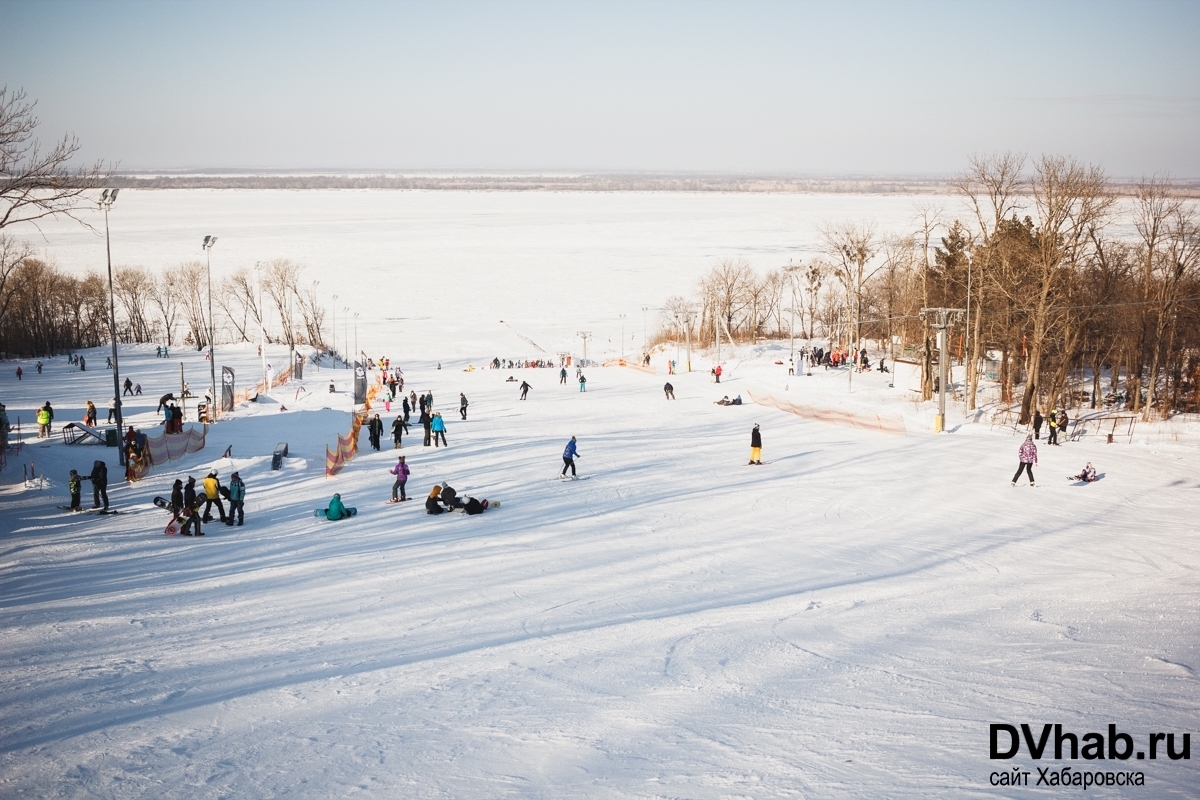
[889, 424]
[162, 449]
[347, 446]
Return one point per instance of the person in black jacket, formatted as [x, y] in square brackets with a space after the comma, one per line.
[755, 446]
[427, 423]
[375, 430]
[99, 479]
[177, 497]
[398, 429]
[191, 509]
[669, 391]
[1037, 424]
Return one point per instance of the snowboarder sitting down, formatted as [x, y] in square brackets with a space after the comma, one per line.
[337, 509]
[1087, 474]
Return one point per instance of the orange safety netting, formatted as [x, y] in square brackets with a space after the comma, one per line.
[891, 424]
[347, 446]
[162, 449]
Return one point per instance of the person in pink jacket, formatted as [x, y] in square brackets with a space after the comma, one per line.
[1028, 455]
[401, 473]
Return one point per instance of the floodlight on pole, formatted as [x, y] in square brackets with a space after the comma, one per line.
[622, 316]
[944, 319]
[209, 241]
[107, 198]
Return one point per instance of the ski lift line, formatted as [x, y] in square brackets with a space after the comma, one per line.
[523, 336]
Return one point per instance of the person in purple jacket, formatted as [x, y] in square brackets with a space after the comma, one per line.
[1028, 455]
[401, 473]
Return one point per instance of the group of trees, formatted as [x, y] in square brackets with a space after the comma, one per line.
[1063, 308]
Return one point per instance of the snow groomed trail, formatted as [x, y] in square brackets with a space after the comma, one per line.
[846, 620]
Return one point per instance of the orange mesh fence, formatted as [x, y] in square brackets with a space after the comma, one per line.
[882, 423]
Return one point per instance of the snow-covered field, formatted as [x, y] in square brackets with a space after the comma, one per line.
[845, 621]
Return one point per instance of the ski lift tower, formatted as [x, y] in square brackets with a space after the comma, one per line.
[585, 335]
[684, 320]
[942, 320]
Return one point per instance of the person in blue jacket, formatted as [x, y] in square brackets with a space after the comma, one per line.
[438, 427]
[569, 456]
[337, 510]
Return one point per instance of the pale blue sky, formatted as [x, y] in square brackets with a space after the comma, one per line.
[846, 87]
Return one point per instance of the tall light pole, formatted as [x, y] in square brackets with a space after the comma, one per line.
[685, 318]
[622, 316]
[791, 271]
[106, 200]
[645, 343]
[944, 321]
[209, 241]
[585, 335]
[346, 328]
[333, 328]
[356, 334]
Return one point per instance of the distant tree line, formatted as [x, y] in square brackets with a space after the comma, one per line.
[1061, 307]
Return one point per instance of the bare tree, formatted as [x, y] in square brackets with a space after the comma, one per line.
[163, 295]
[35, 184]
[852, 246]
[12, 254]
[190, 278]
[281, 279]
[134, 287]
[814, 276]
[312, 313]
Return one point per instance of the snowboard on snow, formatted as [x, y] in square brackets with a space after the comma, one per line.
[320, 513]
[1099, 475]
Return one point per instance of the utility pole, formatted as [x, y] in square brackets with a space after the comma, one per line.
[791, 270]
[685, 318]
[622, 316]
[585, 335]
[106, 200]
[210, 411]
[645, 343]
[944, 319]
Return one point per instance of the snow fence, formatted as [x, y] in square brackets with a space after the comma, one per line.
[883, 423]
[165, 448]
[347, 446]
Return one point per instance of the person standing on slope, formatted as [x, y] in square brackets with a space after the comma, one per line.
[562, 376]
[1037, 424]
[398, 429]
[569, 456]
[212, 494]
[438, 427]
[375, 430]
[426, 421]
[1029, 459]
[99, 479]
[525, 387]
[401, 472]
[237, 499]
[669, 390]
[755, 446]
[462, 405]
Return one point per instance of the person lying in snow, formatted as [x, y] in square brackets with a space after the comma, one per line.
[1087, 475]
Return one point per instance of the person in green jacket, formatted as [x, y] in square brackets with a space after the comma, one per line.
[337, 509]
[74, 486]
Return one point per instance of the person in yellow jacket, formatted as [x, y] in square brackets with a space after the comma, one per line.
[43, 421]
[212, 494]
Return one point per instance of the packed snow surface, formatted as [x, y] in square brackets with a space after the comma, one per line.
[846, 620]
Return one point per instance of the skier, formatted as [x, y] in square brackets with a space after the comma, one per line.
[401, 472]
[462, 405]
[128, 387]
[74, 485]
[212, 494]
[237, 499]
[1037, 424]
[99, 479]
[438, 427]
[582, 382]
[1028, 459]
[755, 446]
[569, 456]
[669, 390]
[525, 387]
[562, 376]
[375, 430]
[398, 429]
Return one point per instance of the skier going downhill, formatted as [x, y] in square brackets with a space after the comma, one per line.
[1029, 459]
[755, 446]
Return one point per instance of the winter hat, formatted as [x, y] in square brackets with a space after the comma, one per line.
[1029, 437]
[756, 425]
[73, 472]
[338, 496]
[212, 473]
[445, 485]
[235, 474]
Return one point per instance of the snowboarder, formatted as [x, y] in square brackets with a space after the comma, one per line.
[176, 505]
[449, 497]
[1028, 459]
[569, 456]
[401, 472]
[74, 485]
[432, 506]
[462, 405]
[1037, 424]
[669, 390]
[237, 499]
[1087, 474]
[212, 494]
[191, 509]
[99, 479]
[582, 382]
[128, 387]
[426, 422]
[525, 387]
[438, 427]
[755, 446]
[398, 430]
[337, 509]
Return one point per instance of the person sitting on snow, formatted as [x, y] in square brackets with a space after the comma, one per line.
[1087, 475]
[737, 401]
[724, 401]
[449, 497]
[432, 506]
[337, 509]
